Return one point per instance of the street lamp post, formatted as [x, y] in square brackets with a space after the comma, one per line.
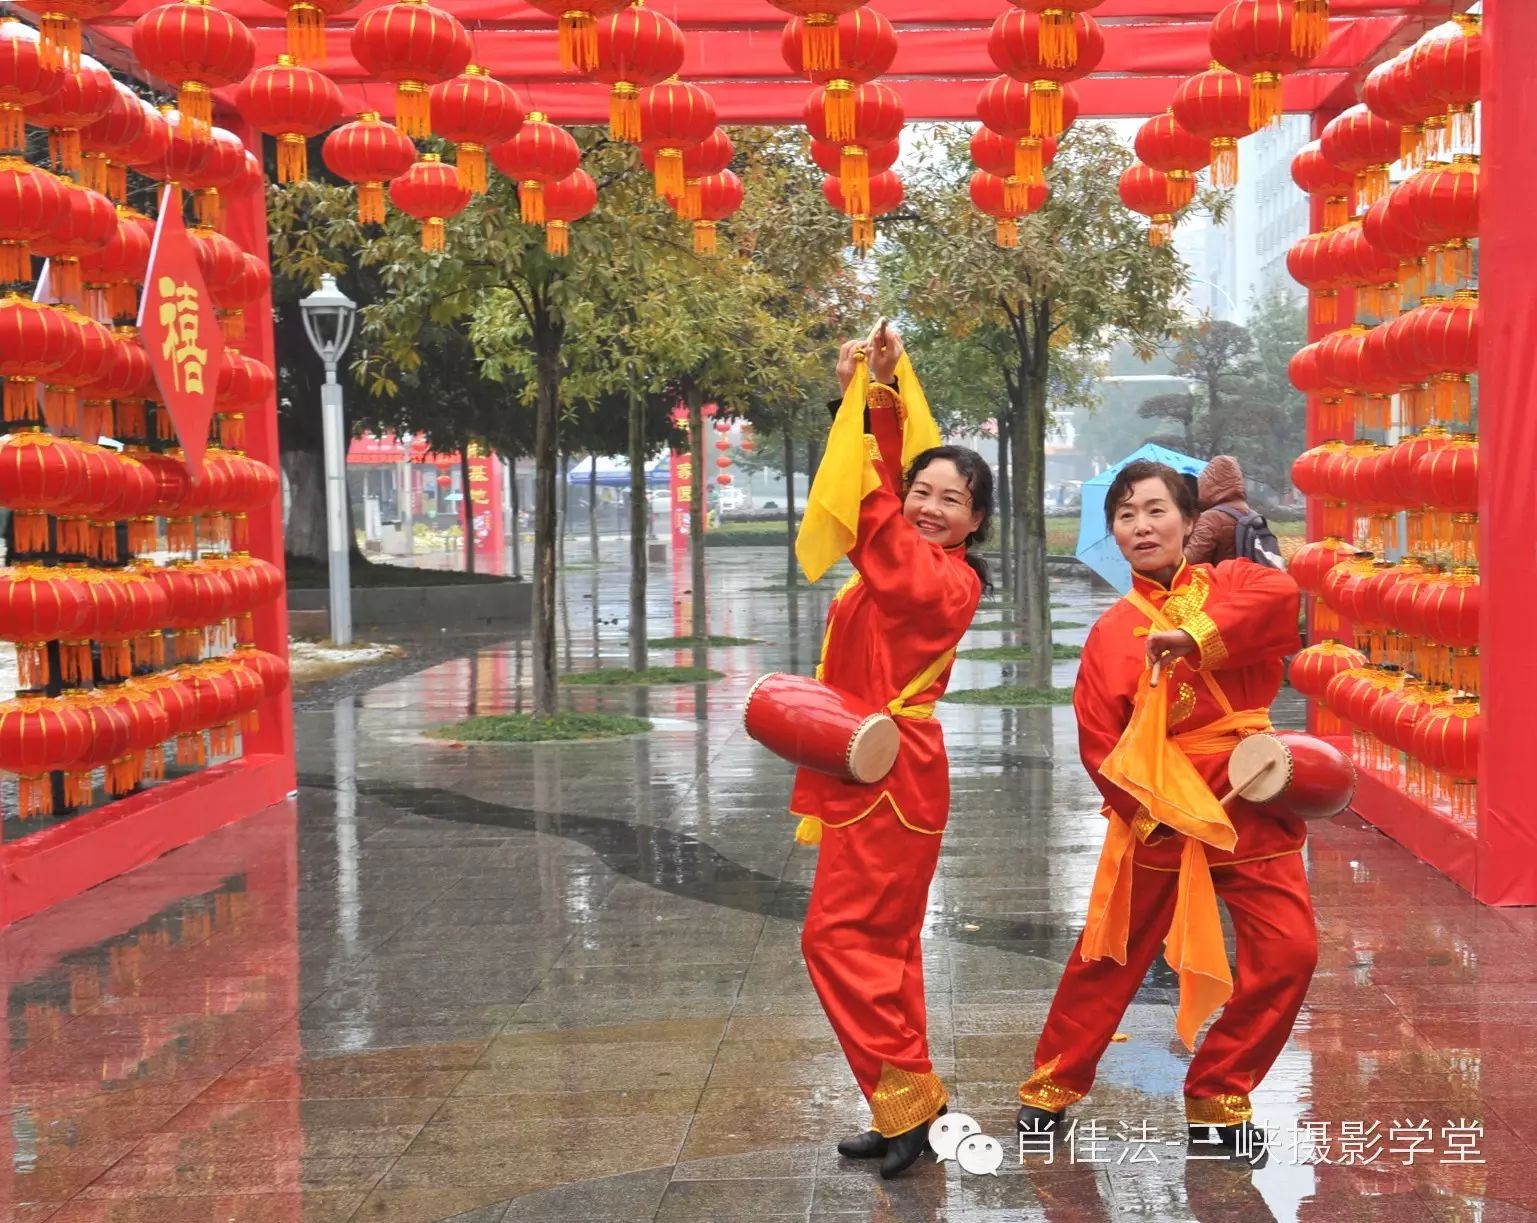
[328, 317]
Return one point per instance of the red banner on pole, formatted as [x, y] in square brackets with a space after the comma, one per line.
[181, 332]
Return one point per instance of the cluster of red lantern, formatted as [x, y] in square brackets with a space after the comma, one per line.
[998, 189]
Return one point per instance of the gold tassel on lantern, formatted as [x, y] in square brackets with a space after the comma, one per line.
[471, 164]
[32, 670]
[838, 110]
[624, 113]
[1224, 162]
[578, 41]
[20, 399]
[854, 178]
[1454, 398]
[371, 203]
[1046, 113]
[232, 325]
[819, 43]
[31, 532]
[209, 206]
[1059, 38]
[194, 101]
[93, 173]
[76, 661]
[1310, 27]
[1264, 100]
[531, 202]
[1161, 233]
[691, 206]
[413, 109]
[306, 35]
[1029, 161]
[1007, 233]
[58, 41]
[232, 431]
[64, 149]
[1016, 194]
[557, 238]
[864, 233]
[704, 237]
[670, 180]
[433, 234]
[293, 158]
[1372, 184]
[1324, 301]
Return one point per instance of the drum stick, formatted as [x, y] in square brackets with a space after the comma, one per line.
[1237, 791]
[1157, 671]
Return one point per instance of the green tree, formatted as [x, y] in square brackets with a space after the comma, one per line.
[1082, 276]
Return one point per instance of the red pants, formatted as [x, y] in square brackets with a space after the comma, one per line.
[1277, 951]
[862, 948]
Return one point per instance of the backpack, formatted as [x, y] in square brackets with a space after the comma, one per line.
[1253, 539]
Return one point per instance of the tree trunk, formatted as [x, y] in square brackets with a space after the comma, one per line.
[1037, 604]
[1005, 506]
[592, 507]
[813, 459]
[698, 510]
[546, 460]
[469, 508]
[512, 497]
[305, 536]
[789, 511]
[564, 461]
[638, 508]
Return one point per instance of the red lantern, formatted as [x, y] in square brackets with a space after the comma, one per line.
[150, 727]
[1001, 156]
[877, 118]
[84, 223]
[867, 46]
[128, 129]
[292, 103]
[30, 199]
[1306, 375]
[217, 701]
[885, 195]
[723, 480]
[1382, 93]
[430, 192]
[992, 196]
[306, 43]
[111, 275]
[674, 116]
[76, 533]
[90, 355]
[1448, 740]
[820, 42]
[1447, 63]
[1255, 37]
[475, 110]
[415, 45]
[1309, 264]
[37, 606]
[83, 97]
[110, 748]
[39, 473]
[368, 153]
[1440, 206]
[272, 670]
[35, 340]
[28, 77]
[1311, 564]
[1313, 669]
[1150, 192]
[538, 155]
[1163, 145]
[1004, 107]
[114, 402]
[1444, 336]
[1214, 106]
[252, 284]
[1016, 46]
[219, 259]
[571, 199]
[197, 47]
[1059, 28]
[636, 47]
[1381, 225]
[720, 196]
[709, 156]
[1317, 175]
[198, 598]
[39, 736]
[182, 714]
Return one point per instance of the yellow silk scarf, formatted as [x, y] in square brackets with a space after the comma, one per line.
[846, 477]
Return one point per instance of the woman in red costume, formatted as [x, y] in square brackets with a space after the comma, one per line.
[1172, 677]
[890, 639]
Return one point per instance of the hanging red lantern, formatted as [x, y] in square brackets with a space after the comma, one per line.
[475, 110]
[1310, 564]
[306, 25]
[148, 148]
[820, 42]
[76, 533]
[578, 29]
[219, 170]
[1004, 107]
[1015, 44]
[1404, 466]
[720, 196]
[1446, 478]
[175, 487]
[219, 259]
[568, 200]
[1308, 262]
[110, 749]
[867, 46]
[1312, 671]
[709, 156]
[151, 726]
[182, 714]
[83, 97]
[1150, 192]
[1381, 225]
[1214, 105]
[538, 155]
[430, 192]
[137, 491]
[198, 599]
[112, 275]
[218, 701]
[30, 199]
[1440, 207]
[886, 195]
[1163, 145]
[1059, 28]
[1369, 272]
[1002, 156]
[878, 158]
[675, 116]
[1317, 175]
[368, 153]
[114, 404]
[28, 78]
[997, 197]
[85, 222]
[1448, 740]
[39, 736]
[245, 385]
[197, 47]
[268, 667]
[293, 104]
[1447, 63]
[1304, 373]
[1364, 143]
[1254, 37]
[636, 47]
[877, 119]
[116, 617]
[91, 353]
[1445, 337]
[415, 45]
[119, 132]
[254, 282]
[39, 473]
[37, 606]
[34, 341]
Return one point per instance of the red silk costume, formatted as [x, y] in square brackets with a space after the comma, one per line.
[890, 638]
[1243, 618]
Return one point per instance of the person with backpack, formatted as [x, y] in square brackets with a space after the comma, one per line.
[1228, 529]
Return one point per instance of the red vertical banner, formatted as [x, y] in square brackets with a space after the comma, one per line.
[680, 483]
[485, 512]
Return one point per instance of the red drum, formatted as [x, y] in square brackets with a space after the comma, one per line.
[818, 727]
[1293, 774]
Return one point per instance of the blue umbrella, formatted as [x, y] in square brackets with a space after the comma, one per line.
[1096, 546]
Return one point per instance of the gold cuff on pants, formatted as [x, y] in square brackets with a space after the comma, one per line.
[1040, 1090]
[1218, 1110]
[904, 1099]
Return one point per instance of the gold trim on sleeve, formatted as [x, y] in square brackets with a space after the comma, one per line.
[905, 1099]
[1144, 825]
[882, 396]
[1208, 641]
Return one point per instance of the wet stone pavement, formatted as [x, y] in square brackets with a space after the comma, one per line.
[563, 983]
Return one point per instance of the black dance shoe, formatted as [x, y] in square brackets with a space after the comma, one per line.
[1032, 1120]
[902, 1152]
[869, 1145]
[1244, 1143]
